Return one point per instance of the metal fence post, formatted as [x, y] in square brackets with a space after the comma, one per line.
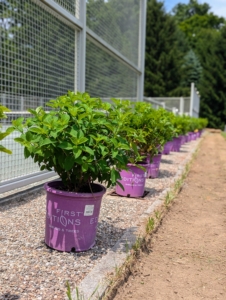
[192, 98]
[82, 48]
[141, 51]
[22, 103]
[181, 106]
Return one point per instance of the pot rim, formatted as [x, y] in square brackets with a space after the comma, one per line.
[140, 164]
[55, 191]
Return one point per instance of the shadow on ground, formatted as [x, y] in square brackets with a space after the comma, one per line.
[167, 161]
[165, 174]
[9, 296]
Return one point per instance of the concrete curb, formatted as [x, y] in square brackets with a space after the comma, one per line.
[97, 279]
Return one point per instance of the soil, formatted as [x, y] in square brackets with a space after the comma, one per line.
[187, 254]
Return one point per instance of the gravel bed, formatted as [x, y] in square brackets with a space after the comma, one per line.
[30, 270]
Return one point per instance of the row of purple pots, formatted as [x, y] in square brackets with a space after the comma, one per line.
[71, 218]
[176, 143]
[133, 180]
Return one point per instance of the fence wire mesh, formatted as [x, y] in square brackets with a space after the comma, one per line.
[169, 102]
[187, 103]
[116, 22]
[37, 63]
[106, 76]
[72, 6]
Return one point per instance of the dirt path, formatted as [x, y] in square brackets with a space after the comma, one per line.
[188, 253]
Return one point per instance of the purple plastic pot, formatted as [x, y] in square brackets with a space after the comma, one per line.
[176, 144]
[153, 171]
[133, 181]
[184, 138]
[71, 218]
[200, 133]
[157, 159]
[191, 136]
[167, 147]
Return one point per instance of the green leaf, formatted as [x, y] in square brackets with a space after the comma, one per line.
[82, 116]
[54, 134]
[26, 152]
[20, 140]
[37, 130]
[3, 135]
[32, 111]
[82, 140]
[121, 186]
[114, 153]
[74, 133]
[114, 175]
[29, 136]
[64, 119]
[18, 122]
[9, 130]
[73, 111]
[77, 152]
[88, 150]
[65, 145]
[3, 149]
[68, 163]
[85, 167]
[46, 142]
[103, 149]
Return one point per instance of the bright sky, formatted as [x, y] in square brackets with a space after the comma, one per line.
[218, 7]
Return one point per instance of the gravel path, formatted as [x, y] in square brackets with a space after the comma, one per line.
[30, 270]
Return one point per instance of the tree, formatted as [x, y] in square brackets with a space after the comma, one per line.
[163, 59]
[213, 82]
[193, 68]
[183, 11]
[205, 33]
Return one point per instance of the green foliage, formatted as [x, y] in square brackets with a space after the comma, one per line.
[223, 134]
[205, 33]
[4, 109]
[150, 225]
[145, 128]
[193, 69]
[183, 11]
[212, 86]
[163, 58]
[85, 140]
[77, 140]
[185, 124]
[77, 294]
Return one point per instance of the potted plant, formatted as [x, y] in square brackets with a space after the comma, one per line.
[78, 140]
[164, 133]
[4, 109]
[132, 181]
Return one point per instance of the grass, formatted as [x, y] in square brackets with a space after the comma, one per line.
[223, 134]
[79, 296]
[150, 225]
